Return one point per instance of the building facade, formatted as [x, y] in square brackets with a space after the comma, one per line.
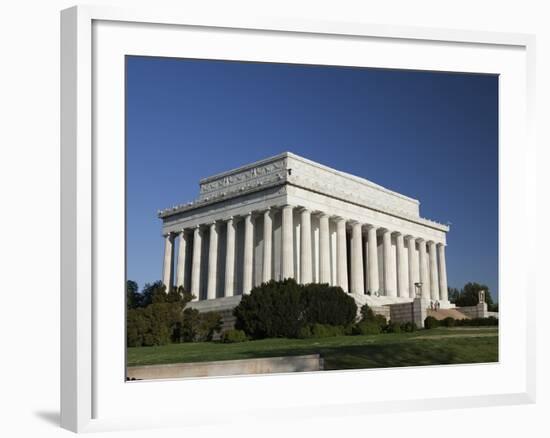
[289, 217]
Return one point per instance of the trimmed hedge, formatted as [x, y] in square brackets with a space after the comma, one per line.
[367, 328]
[478, 322]
[408, 327]
[431, 322]
[321, 331]
[287, 309]
[233, 336]
[448, 322]
[393, 327]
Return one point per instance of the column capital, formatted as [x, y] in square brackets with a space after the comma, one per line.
[441, 244]
[420, 240]
[409, 237]
[371, 227]
[303, 209]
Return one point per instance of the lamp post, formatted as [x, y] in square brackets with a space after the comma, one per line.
[418, 289]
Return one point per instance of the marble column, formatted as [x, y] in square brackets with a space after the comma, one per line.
[167, 269]
[423, 262]
[196, 266]
[434, 280]
[268, 240]
[341, 255]
[372, 245]
[287, 239]
[357, 284]
[212, 263]
[402, 268]
[248, 253]
[413, 265]
[305, 247]
[443, 290]
[230, 259]
[324, 249]
[182, 252]
[389, 265]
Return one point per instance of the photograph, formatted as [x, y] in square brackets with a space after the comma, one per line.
[285, 218]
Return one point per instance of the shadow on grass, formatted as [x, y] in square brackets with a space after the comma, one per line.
[338, 353]
[397, 354]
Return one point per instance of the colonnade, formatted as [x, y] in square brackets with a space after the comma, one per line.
[358, 268]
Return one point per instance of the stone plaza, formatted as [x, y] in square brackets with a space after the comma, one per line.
[289, 217]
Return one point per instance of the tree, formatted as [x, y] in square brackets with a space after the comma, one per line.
[469, 295]
[454, 293]
[161, 317]
[133, 297]
[153, 292]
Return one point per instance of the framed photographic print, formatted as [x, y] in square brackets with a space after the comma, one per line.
[314, 217]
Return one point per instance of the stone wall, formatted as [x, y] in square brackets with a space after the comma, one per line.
[382, 310]
[409, 312]
[224, 306]
[284, 364]
[478, 311]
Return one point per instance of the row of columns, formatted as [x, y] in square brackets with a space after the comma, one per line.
[432, 275]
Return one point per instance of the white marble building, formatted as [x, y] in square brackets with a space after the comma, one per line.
[287, 216]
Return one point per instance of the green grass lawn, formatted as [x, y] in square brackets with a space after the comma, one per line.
[424, 347]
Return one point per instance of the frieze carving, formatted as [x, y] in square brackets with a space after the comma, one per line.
[289, 168]
[248, 179]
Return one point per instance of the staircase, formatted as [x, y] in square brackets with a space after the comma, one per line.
[445, 313]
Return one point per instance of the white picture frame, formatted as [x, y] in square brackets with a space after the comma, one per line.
[92, 41]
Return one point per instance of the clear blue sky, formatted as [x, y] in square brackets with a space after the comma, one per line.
[429, 135]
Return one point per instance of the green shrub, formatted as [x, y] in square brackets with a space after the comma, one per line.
[232, 336]
[208, 324]
[305, 332]
[156, 316]
[430, 322]
[198, 326]
[348, 329]
[366, 328]
[367, 313]
[326, 331]
[324, 304]
[478, 322]
[448, 322]
[149, 326]
[408, 327]
[273, 309]
[393, 327]
[284, 308]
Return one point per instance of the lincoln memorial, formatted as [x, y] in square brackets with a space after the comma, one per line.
[290, 217]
